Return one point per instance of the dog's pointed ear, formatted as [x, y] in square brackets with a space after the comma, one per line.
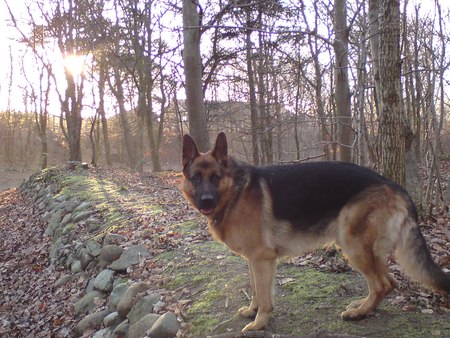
[220, 151]
[190, 151]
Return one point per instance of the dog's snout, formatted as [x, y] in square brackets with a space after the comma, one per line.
[207, 202]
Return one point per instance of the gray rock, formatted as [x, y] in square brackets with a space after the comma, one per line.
[47, 215]
[139, 329]
[71, 237]
[113, 239]
[81, 215]
[57, 234]
[93, 247]
[112, 319]
[82, 206]
[54, 222]
[54, 206]
[90, 285]
[54, 251]
[129, 298]
[103, 333]
[121, 330]
[129, 257]
[91, 321]
[76, 266]
[87, 302]
[62, 281]
[68, 228]
[92, 224]
[120, 280]
[70, 206]
[108, 254]
[61, 198]
[158, 306]
[166, 326]
[70, 259]
[67, 219]
[116, 294]
[85, 258]
[104, 280]
[142, 308]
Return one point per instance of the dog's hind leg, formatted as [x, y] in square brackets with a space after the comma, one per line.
[368, 253]
[379, 282]
[263, 271]
[367, 233]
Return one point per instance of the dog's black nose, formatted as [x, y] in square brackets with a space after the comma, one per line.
[207, 197]
[207, 203]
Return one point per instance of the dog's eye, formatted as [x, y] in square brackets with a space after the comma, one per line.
[215, 179]
[196, 179]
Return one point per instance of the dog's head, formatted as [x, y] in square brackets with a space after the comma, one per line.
[206, 175]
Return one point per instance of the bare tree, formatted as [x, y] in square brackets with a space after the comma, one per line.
[342, 88]
[392, 115]
[193, 73]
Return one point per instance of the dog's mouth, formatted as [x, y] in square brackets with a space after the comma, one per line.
[207, 211]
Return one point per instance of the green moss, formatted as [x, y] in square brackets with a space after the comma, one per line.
[185, 228]
[68, 228]
[105, 196]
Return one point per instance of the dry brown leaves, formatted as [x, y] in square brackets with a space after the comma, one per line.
[29, 306]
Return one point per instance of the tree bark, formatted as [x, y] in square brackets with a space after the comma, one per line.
[128, 138]
[193, 75]
[342, 89]
[252, 93]
[392, 117]
[101, 109]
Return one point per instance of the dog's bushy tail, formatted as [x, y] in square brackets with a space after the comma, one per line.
[415, 258]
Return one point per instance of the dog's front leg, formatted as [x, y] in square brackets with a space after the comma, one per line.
[251, 310]
[262, 271]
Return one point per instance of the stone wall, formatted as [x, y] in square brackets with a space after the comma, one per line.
[113, 304]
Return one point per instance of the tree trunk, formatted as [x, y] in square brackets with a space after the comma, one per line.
[101, 109]
[317, 84]
[374, 34]
[71, 105]
[128, 138]
[193, 75]
[92, 140]
[252, 93]
[342, 89]
[154, 151]
[392, 124]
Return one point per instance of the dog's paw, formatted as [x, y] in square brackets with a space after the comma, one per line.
[356, 304]
[259, 323]
[253, 326]
[247, 312]
[353, 314]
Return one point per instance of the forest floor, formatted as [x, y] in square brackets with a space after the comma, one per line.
[12, 177]
[204, 283]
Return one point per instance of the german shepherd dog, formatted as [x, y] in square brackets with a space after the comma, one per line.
[266, 213]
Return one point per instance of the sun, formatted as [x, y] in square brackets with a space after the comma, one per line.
[74, 63]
